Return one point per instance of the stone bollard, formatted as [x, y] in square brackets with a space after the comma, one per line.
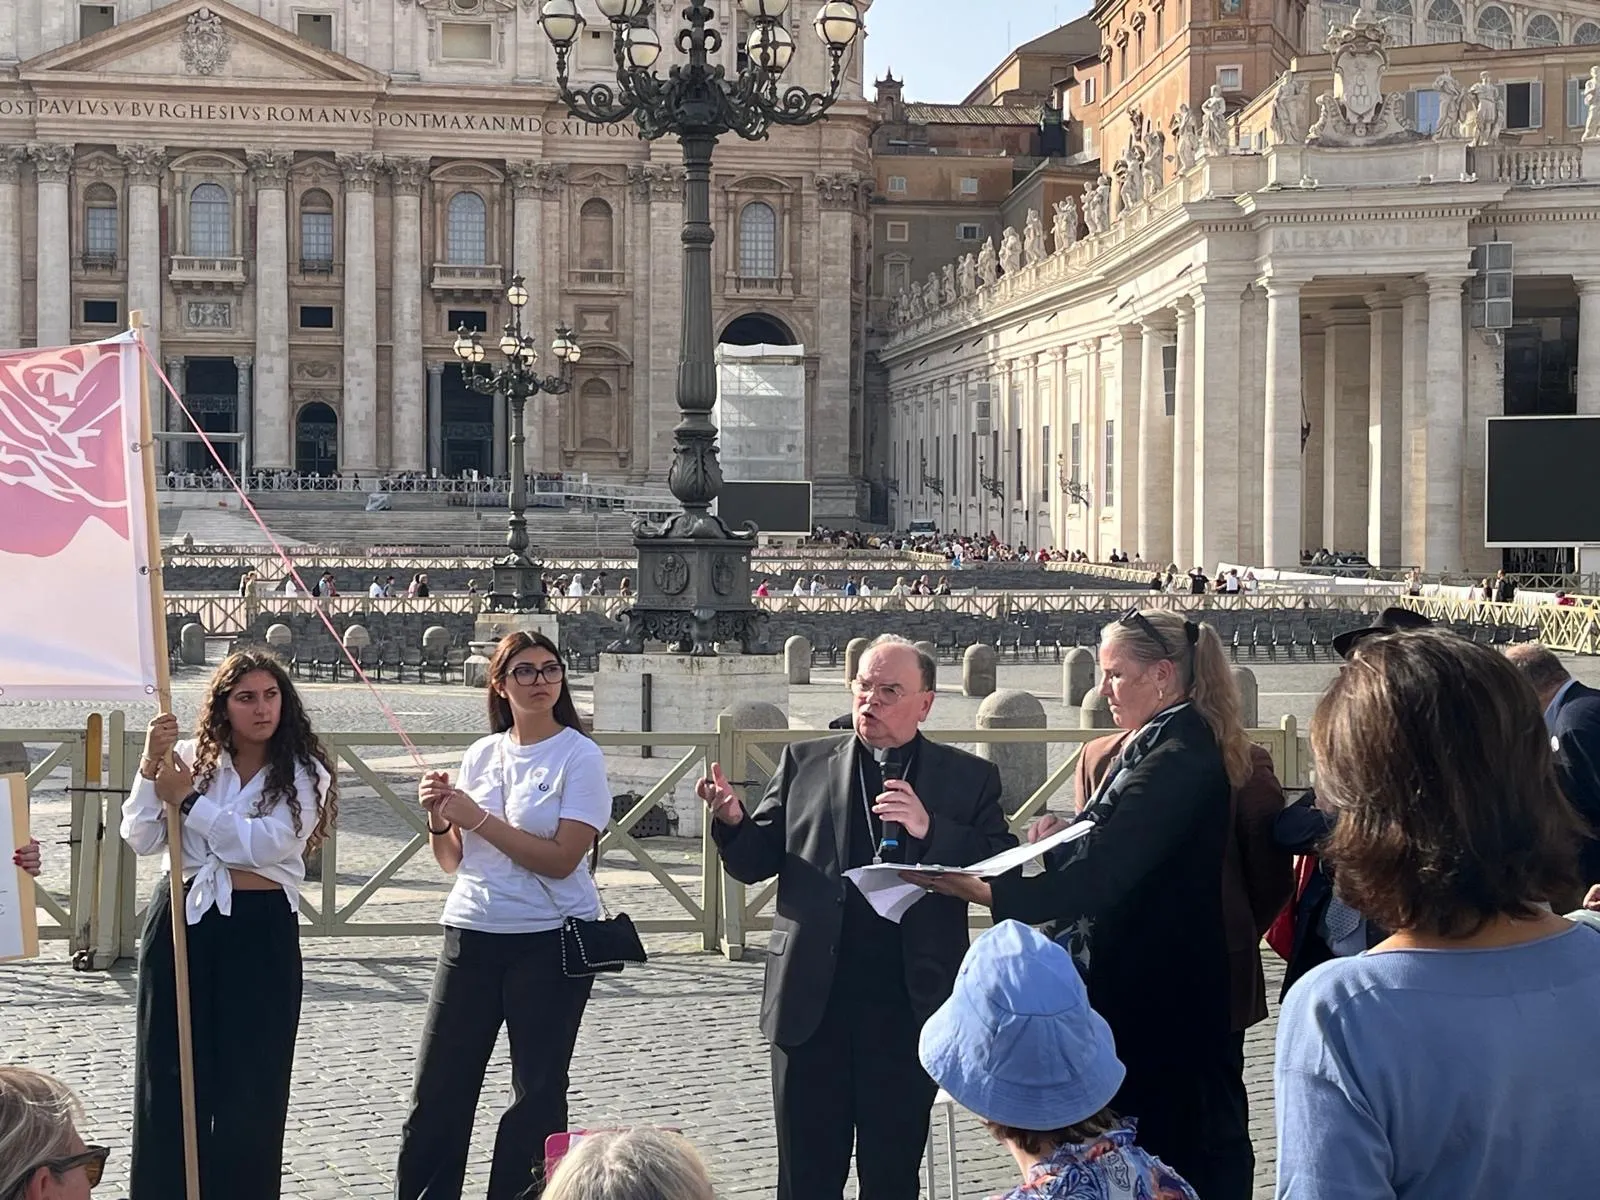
[356, 637]
[853, 651]
[797, 659]
[1249, 696]
[978, 670]
[280, 637]
[1095, 713]
[1024, 766]
[1077, 677]
[475, 671]
[932, 652]
[192, 644]
[13, 759]
[745, 714]
[435, 636]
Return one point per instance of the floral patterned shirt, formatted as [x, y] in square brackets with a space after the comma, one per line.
[1109, 1168]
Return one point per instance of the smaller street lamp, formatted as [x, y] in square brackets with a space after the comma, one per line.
[992, 484]
[931, 483]
[518, 577]
[1078, 493]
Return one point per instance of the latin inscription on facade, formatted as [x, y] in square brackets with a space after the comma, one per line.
[1314, 240]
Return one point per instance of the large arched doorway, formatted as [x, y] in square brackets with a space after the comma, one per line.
[316, 440]
[467, 419]
[757, 329]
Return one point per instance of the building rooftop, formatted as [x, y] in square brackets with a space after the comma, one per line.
[973, 114]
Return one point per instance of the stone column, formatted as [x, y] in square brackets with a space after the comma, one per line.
[272, 439]
[502, 432]
[146, 165]
[1486, 397]
[1344, 436]
[1385, 383]
[360, 410]
[664, 183]
[407, 407]
[177, 454]
[1183, 441]
[841, 198]
[1253, 436]
[1413, 422]
[1441, 539]
[531, 184]
[1313, 371]
[11, 158]
[1130, 421]
[243, 363]
[1093, 447]
[52, 166]
[1217, 335]
[1060, 432]
[1154, 528]
[1588, 347]
[1282, 466]
[436, 417]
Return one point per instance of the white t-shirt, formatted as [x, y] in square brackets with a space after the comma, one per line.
[560, 778]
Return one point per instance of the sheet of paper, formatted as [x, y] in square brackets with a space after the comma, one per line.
[891, 896]
[19, 935]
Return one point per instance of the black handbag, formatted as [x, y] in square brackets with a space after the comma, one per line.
[599, 947]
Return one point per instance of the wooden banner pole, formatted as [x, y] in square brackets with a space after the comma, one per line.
[163, 665]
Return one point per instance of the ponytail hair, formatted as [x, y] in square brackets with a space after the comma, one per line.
[1203, 673]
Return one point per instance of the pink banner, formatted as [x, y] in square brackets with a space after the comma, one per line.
[75, 621]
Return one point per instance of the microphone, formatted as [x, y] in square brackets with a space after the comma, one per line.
[893, 767]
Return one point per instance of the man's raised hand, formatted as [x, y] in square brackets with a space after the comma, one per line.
[720, 797]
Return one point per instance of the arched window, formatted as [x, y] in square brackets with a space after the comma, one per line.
[467, 230]
[1542, 31]
[316, 231]
[596, 237]
[1494, 28]
[758, 241]
[1396, 14]
[1587, 34]
[1445, 23]
[210, 222]
[100, 226]
[597, 416]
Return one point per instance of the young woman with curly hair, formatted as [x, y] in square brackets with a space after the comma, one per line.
[256, 789]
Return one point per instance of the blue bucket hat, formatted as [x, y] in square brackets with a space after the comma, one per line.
[1017, 1042]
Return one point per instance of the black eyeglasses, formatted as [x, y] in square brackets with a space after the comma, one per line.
[527, 674]
[92, 1160]
[1134, 619]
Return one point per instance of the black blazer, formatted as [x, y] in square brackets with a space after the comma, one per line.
[1149, 878]
[799, 833]
[1576, 726]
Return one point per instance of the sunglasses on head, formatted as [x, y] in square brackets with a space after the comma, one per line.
[1134, 619]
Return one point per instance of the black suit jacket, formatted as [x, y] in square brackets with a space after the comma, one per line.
[799, 832]
[1149, 878]
[1576, 727]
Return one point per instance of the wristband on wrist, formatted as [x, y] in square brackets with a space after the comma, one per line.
[439, 832]
[188, 803]
[480, 824]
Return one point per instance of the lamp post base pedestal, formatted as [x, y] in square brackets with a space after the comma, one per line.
[694, 592]
[490, 627]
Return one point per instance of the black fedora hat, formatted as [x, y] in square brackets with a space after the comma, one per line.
[1390, 620]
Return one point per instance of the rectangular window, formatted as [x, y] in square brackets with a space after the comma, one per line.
[969, 186]
[100, 233]
[897, 231]
[922, 463]
[1524, 105]
[1075, 453]
[316, 241]
[1045, 469]
[969, 232]
[1228, 78]
[595, 51]
[1088, 89]
[896, 278]
[1577, 107]
[936, 457]
[972, 465]
[1424, 105]
[1109, 495]
[463, 41]
[1159, 36]
[95, 18]
[1169, 377]
[101, 312]
[475, 319]
[897, 183]
[1016, 461]
[954, 480]
[316, 316]
[316, 28]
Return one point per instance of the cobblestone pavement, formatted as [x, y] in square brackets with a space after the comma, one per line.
[673, 1044]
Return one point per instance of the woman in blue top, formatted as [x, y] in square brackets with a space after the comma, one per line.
[1460, 1058]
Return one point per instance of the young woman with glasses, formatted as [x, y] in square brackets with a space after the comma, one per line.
[42, 1156]
[516, 831]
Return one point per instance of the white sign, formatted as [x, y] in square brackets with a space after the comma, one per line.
[19, 933]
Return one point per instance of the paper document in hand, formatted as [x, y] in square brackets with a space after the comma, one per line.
[890, 895]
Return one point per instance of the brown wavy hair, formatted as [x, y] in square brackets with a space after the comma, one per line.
[565, 711]
[294, 744]
[1434, 754]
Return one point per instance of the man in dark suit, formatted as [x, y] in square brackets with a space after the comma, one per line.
[847, 991]
[1572, 714]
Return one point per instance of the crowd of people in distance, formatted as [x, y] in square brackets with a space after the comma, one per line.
[959, 550]
[1436, 1038]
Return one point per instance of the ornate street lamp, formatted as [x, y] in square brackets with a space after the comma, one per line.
[1078, 493]
[931, 483]
[992, 484]
[518, 577]
[694, 572]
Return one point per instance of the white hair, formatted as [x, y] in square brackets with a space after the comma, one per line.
[36, 1114]
[634, 1164]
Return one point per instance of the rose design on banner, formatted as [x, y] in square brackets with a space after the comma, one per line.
[62, 457]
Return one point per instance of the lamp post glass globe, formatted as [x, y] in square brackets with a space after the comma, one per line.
[641, 47]
[463, 345]
[562, 22]
[510, 344]
[476, 353]
[529, 351]
[620, 10]
[516, 294]
[771, 47]
[764, 10]
[837, 25]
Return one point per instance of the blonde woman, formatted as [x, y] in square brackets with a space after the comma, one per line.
[42, 1156]
[636, 1164]
[1139, 900]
